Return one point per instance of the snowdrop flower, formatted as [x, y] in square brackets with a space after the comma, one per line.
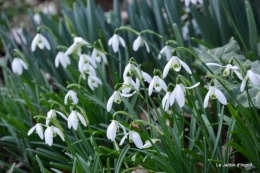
[50, 132]
[187, 2]
[85, 64]
[253, 77]
[73, 119]
[176, 64]
[148, 144]
[115, 40]
[18, 65]
[52, 114]
[158, 84]
[166, 100]
[40, 41]
[167, 51]
[128, 81]
[93, 82]
[38, 129]
[229, 69]
[73, 95]
[17, 34]
[112, 129]
[117, 98]
[179, 94]
[37, 18]
[214, 93]
[62, 58]
[77, 41]
[97, 55]
[130, 68]
[133, 137]
[140, 42]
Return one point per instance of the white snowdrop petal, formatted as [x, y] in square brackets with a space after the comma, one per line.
[45, 42]
[253, 77]
[214, 64]
[48, 135]
[238, 74]
[122, 41]
[137, 43]
[137, 140]
[167, 68]
[34, 42]
[39, 130]
[110, 102]
[31, 130]
[59, 133]
[206, 100]
[180, 96]
[150, 89]
[82, 119]
[147, 46]
[185, 66]
[220, 96]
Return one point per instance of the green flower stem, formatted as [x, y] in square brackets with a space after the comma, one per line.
[146, 122]
[18, 52]
[134, 168]
[56, 103]
[151, 32]
[48, 29]
[124, 113]
[39, 117]
[59, 48]
[127, 28]
[77, 85]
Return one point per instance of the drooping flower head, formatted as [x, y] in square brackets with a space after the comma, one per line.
[73, 119]
[157, 82]
[140, 42]
[50, 132]
[116, 97]
[167, 51]
[38, 129]
[253, 77]
[132, 69]
[115, 41]
[175, 63]
[73, 95]
[214, 93]
[63, 59]
[17, 66]
[40, 41]
[97, 55]
[133, 137]
[128, 81]
[52, 114]
[228, 69]
[179, 93]
[78, 41]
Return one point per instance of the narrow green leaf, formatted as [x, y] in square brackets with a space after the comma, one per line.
[121, 158]
[11, 168]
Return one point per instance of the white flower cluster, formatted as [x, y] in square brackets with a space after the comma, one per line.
[157, 83]
[51, 130]
[133, 79]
